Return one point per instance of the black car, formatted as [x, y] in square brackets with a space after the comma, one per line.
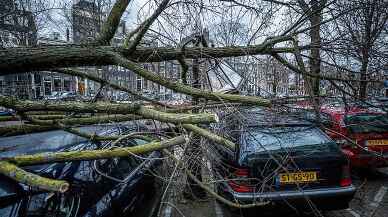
[109, 187]
[286, 161]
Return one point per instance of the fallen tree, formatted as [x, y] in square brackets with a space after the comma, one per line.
[112, 108]
[101, 52]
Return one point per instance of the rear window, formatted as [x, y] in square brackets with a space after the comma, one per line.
[304, 140]
[367, 123]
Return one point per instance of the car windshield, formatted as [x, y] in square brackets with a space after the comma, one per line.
[367, 123]
[303, 140]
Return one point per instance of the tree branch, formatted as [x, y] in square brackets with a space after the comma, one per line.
[88, 120]
[145, 26]
[21, 129]
[113, 21]
[107, 83]
[210, 136]
[44, 158]
[22, 106]
[194, 92]
[79, 107]
[210, 191]
[12, 171]
[27, 59]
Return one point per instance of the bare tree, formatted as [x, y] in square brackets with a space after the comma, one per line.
[362, 32]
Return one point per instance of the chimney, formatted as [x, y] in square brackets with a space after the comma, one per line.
[67, 35]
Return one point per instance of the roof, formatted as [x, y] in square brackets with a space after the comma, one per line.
[250, 117]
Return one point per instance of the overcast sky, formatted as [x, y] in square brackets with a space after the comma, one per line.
[174, 25]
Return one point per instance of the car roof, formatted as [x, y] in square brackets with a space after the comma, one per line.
[251, 117]
[350, 110]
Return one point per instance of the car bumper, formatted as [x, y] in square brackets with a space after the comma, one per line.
[369, 160]
[289, 195]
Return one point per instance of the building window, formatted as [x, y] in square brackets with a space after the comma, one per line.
[139, 84]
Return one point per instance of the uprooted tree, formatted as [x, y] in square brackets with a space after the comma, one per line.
[99, 52]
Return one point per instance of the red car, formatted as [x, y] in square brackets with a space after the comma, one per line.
[362, 133]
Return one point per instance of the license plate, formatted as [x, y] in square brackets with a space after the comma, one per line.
[299, 177]
[377, 142]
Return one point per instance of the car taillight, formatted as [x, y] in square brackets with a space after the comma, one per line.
[348, 153]
[346, 179]
[240, 182]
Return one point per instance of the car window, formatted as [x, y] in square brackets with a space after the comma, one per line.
[367, 123]
[326, 120]
[9, 210]
[305, 139]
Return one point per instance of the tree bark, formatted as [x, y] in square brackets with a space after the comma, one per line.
[26, 59]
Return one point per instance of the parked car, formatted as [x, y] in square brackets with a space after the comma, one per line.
[362, 133]
[109, 187]
[63, 96]
[382, 102]
[54, 96]
[68, 96]
[6, 112]
[282, 160]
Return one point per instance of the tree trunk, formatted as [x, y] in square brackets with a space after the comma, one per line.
[26, 59]
[363, 77]
[194, 152]
[315, 60]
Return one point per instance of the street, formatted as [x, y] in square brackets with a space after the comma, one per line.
[370, 200]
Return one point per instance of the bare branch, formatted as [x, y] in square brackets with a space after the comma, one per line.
[210, 136]
[189, 90]
[113, 21]
[108, 83]
[145, 26]
[210, 191]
